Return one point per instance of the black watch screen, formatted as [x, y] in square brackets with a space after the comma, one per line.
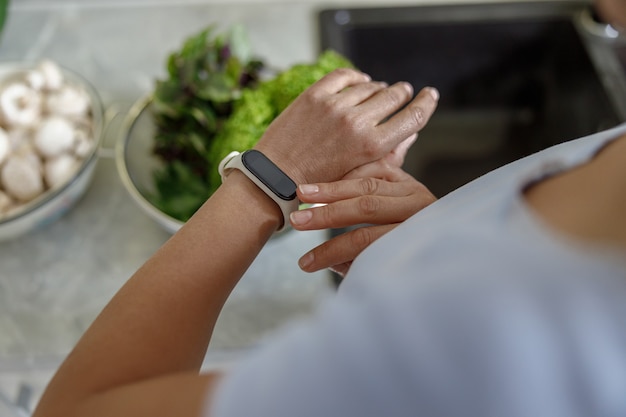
[269, 174]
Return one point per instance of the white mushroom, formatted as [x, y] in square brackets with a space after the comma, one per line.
[52, 75]
[20, 138]
[54, 136]
[35, 80]
[21, 179]
[5, 145]
[26, 151]
[59, 169]
[20, 105]
[68, 101]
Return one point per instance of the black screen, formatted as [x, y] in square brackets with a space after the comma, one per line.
[269, 174]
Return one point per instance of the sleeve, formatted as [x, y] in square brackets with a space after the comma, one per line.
[455, 350]
[317, 368]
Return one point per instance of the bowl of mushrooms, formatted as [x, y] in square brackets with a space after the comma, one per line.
[51, 122]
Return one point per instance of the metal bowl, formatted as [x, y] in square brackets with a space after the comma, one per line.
[136, 162]
[55, 202]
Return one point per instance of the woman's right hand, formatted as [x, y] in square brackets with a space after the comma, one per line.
[344, 121]
[379, 194]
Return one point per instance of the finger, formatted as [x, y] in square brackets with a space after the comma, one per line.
[342, 249]
[412, 118]
[338, 80]
[359, 210]
[358, 93]
[387, 101]
[350, 188]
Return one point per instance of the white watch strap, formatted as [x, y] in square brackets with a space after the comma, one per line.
[233, 161]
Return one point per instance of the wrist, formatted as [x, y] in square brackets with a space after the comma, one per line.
[254, 201]
[265, 175]
[296, 170]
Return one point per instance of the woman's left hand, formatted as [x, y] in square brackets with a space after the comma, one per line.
[378, 195]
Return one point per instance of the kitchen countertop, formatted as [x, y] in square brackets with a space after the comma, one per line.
[54, 281]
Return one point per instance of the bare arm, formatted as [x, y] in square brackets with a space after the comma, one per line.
[152, 337]
[142, 355]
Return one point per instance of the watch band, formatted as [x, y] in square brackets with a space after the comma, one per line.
[287, 201]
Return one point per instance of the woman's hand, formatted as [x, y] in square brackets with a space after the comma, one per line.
[379, 194]
[343, 121]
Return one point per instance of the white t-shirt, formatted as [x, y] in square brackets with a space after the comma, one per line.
[472, 307]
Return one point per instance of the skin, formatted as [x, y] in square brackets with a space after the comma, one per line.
[587, 203]
[612, 11]
[142, 354]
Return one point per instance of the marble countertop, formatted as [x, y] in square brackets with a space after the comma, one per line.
[54, 281]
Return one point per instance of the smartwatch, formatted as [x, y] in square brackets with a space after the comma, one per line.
[265, 175]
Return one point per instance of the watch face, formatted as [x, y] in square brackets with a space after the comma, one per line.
[273, 178]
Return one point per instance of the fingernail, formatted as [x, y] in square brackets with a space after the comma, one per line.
[300, 217]
[306, 260]
[434, 93]
[308, 188]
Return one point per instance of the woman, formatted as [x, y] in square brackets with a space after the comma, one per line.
[506, 297]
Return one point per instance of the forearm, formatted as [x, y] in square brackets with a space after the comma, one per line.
[160, 322]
